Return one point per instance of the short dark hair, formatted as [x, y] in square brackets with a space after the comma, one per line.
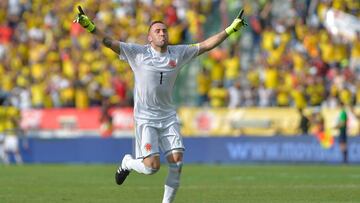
[154, 22]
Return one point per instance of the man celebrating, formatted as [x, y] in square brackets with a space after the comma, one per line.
[156, 66]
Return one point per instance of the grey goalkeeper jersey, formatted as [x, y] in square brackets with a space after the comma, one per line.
[155, 74]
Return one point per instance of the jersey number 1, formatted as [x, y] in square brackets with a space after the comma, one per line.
[161, 77]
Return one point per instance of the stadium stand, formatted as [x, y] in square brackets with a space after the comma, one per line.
[286, 58]
[294, 53]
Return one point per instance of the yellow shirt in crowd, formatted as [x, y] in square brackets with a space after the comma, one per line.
[231, 68]
[299, 62]
[271, 78]
[217, 96]
[217, 72]
[315, 93]
[9, 119]
[299, 98]
[283, 96]
[355, 51]
[203, 83]
[345, 96]
[38, 94]
[267, 42]
[327, 52]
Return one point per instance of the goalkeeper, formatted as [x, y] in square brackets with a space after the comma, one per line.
[156, 66]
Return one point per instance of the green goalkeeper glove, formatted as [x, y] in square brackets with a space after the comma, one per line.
[236, 24]
[84, 21]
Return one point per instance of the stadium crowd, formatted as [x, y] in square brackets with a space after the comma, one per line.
[292, 59]
[285, 57]
[49, 61]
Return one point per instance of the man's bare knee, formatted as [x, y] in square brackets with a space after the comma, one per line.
[152, 163]
[175, 156]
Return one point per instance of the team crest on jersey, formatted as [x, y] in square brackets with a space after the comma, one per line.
[172, 63]
[148, 147]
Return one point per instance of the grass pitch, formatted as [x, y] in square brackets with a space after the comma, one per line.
[200, 184]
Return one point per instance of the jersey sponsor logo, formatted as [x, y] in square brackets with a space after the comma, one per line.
[148, 147]
[172, 63]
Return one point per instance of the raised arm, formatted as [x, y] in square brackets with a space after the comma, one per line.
[86, 23]
[216, 39]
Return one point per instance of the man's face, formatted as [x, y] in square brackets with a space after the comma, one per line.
[158, 35]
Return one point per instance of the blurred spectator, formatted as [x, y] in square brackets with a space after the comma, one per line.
[357, 94]
[106, 119]
[12, 131]
[304, 124]
[249, 96]
[203, 86]
[218, 95]
[298, 97]
[120, 88]
[355, 55]
[342, 126]
[5, 33]
[232, 66]
[235, 95]
[263, 96]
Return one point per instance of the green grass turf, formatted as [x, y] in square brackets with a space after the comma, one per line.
[200, 183]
